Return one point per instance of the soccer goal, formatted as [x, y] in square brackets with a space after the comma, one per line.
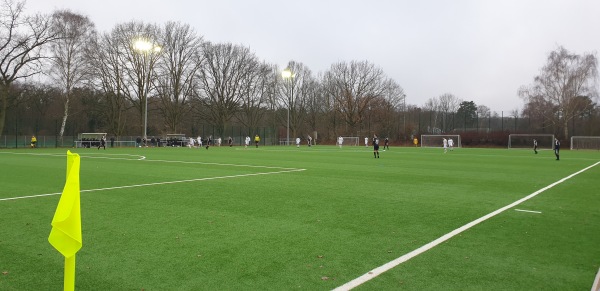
[585, 142]
[525, 141]
[437, 140]
[349, 141]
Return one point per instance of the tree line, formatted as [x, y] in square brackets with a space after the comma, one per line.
[149, 79]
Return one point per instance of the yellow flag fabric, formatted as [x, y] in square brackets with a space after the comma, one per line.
[65, 235]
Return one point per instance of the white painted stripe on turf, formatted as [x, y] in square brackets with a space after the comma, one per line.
[83, 155]
[220, 164]
[596, 286]
[159, 183]
[386, 267]
[530, 211]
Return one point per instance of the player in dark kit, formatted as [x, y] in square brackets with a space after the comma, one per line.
[535, 146]
[557, 148]
[386, 142]
[102, 143]
[375, 147]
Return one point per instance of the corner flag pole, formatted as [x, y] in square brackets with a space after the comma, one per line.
[65, 235]
[69, 284]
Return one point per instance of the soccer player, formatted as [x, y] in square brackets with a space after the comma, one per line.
[208, 141]
[102, 142]
[366, 142]
[256, 140]
[557, 148]
[451, 144]
[247, 142]
[340, 141]
[230, 141]
[297, 142]
[445, 141]
[416, 141]
[309, 140]
[535, 146]
[199, 139]
[191, 143]
[375, 146]
[33, 141]
[386, 144]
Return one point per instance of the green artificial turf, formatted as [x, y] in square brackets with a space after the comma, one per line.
[285, 218]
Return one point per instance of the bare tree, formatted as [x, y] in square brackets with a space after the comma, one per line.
[68, 67]
[21, 41]
[564, 78]
[222, 81]
[482, 113]
[295, 92]
[140, 51]
[176, 80]
[260, 88]
[107, 74]
[316, 106]
[353, 86]
[392, 103]
[433, 106]
[443, 108]
[40, 98]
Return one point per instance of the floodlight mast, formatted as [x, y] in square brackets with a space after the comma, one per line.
[287, 74]
[145, 47]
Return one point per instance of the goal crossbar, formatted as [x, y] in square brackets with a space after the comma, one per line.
[525, 141]
[350, 140]
[585, 142]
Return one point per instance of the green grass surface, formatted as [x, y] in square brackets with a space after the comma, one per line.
[283, 218]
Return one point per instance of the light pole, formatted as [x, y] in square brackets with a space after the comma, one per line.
[404, 115]
[288, 75]
[146, 47]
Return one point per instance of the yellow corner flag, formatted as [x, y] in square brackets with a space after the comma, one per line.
[65, 235]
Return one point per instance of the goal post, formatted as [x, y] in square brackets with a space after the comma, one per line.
[349, 140]
[585, 142]
[525, 141]
[437, 140]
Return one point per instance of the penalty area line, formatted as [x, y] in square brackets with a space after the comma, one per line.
[530, 211]
[159, 183]
[386, 267]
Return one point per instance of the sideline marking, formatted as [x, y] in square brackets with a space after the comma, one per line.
[159, 183]
[596, 286]
[387, 266]
[530, 211]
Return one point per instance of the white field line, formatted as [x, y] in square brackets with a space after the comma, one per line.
[219, 164]
[139, 158]
[160, 183]
[596, 286]
[85, 155]
[386, 267]
[530, 211]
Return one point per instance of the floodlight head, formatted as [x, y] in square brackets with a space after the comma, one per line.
[287, 73]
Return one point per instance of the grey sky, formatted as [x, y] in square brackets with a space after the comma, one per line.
[479, 50]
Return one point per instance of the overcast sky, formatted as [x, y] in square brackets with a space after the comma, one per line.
[480, 50]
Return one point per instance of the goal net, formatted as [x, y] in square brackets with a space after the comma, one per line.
[437, 140]
[348, 140]
[525, 141]
[585, 142]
